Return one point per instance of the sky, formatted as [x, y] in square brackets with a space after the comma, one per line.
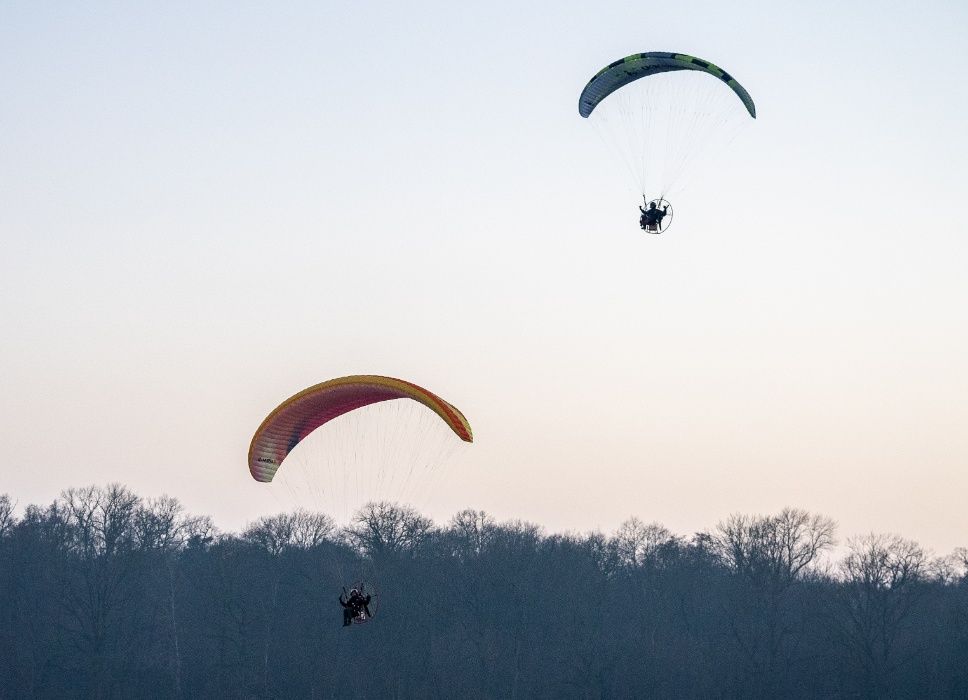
[206, 207]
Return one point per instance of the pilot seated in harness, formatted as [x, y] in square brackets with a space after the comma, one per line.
[355, 605]
[651, 218]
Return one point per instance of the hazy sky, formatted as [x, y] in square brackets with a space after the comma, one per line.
[205, 207]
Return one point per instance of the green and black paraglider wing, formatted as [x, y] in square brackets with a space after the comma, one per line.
[641, 65]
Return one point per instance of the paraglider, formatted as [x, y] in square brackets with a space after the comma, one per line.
[371, 455]
[658, 120]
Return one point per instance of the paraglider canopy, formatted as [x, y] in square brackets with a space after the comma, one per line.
[640, 65]
[299, 415]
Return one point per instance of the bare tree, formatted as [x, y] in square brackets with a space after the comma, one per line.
[771, 554]
[300, 529]
[7, 520]
[774, 550]
[960, 563]
[882, 577]
[100, 519]
[278, 535]
[948, 570]
[635, 543]
[471, 531]
[161, 524]
[162, 528]
[99, 584]
[385, 528]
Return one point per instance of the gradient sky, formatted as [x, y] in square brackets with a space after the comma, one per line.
[205, 207]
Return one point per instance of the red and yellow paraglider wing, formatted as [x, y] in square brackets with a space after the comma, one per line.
[300, 415]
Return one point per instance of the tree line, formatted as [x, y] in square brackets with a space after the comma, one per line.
[104, 594]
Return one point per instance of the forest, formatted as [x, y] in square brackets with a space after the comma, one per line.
[105, 594]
